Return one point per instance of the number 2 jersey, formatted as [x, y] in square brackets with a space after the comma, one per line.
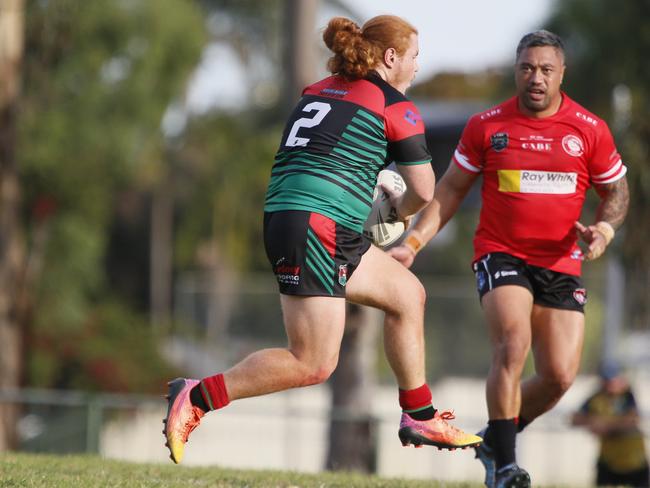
[535, 176]
[337, 139]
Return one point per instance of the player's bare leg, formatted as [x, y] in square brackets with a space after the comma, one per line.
[314, 328]
[382, 282]
[558, 336]
[508, 313]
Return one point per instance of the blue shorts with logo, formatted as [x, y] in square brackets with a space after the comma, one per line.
[311, 255]
[549, 288]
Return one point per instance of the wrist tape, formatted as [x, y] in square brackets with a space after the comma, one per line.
[606, 229]
[413, 243]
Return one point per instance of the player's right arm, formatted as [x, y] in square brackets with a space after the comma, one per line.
[448, 195]
[420, 181]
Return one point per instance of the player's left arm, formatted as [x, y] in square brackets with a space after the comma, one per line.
[614, 203]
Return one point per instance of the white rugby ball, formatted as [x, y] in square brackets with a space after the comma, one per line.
[382, 226]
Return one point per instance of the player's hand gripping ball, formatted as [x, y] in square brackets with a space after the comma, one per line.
[383, 226]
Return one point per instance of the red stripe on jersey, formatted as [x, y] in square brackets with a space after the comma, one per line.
[359, 92]
[403, 120]
[325, 229]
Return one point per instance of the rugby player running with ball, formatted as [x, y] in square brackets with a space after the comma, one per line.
[343, 131]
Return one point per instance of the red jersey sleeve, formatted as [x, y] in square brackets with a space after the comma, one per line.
[405, 134]
[469, 152]
[605, 164]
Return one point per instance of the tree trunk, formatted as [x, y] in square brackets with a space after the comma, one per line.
[300, 52]
[160, 274]
[11, 244]
[352, 442]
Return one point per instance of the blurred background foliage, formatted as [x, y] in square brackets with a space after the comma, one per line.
[97, 79]
[101, 82]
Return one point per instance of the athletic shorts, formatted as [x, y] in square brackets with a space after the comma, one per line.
[311, 255]
[549, 288]
[606, 477]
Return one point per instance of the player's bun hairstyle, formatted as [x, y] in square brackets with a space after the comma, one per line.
[358, 50]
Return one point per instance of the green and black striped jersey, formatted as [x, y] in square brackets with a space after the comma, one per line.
[337, 139]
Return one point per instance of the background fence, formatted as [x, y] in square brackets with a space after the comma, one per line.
[289, 431]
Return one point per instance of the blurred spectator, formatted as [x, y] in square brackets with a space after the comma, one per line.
[611, 414]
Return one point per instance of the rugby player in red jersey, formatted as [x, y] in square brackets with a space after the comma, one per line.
[342, 132]
[538, 153]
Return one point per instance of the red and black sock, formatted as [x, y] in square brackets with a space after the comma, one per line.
[417, 403]
[210, 393]
[500, 436]
[522, 423]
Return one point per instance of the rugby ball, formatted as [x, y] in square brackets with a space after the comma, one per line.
[382, 225]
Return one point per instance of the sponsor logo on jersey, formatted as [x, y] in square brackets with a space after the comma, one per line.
[501, 274]
[580, 295]
[536, 146]
[499, 141]
[490, 113]
[411, 117]
[573, 145]
[577, 255]
[587, 118]
[527, 181]
[343, 274]
[332, 92]
[537, 138]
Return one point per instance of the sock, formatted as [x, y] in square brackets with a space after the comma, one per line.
[522, 423]
[417, 403]
[210, 393]
[196, 398]
[487, 437]
[502, 434]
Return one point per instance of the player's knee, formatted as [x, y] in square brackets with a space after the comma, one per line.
[319, 373]
[558, 382]
[407, 299]
[414, 295]
[511, 353]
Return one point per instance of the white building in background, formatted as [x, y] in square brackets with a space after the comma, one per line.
[289, 431]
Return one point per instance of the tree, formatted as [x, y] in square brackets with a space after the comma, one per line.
[607, 43]
[96, 80]
[12, 252]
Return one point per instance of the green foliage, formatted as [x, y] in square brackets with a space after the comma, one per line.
[484, 85]
[607, 45]
[114, 350]
[97, 79]
[225, 166]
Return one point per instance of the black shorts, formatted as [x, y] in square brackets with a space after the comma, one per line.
[607, 477]
[549, 288]
[310, 254]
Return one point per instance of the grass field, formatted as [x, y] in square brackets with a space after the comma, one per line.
[35, 470]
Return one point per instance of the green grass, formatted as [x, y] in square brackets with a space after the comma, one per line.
[36, 470]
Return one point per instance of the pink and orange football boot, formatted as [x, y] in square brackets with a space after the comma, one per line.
[182, 417]
[435, 432]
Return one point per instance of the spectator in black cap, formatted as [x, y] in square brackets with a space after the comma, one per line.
[611, 414]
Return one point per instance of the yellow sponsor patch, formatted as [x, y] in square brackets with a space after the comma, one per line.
[509, 180]
[527, 181]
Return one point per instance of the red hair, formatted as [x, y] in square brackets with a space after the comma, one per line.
[359, 50]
